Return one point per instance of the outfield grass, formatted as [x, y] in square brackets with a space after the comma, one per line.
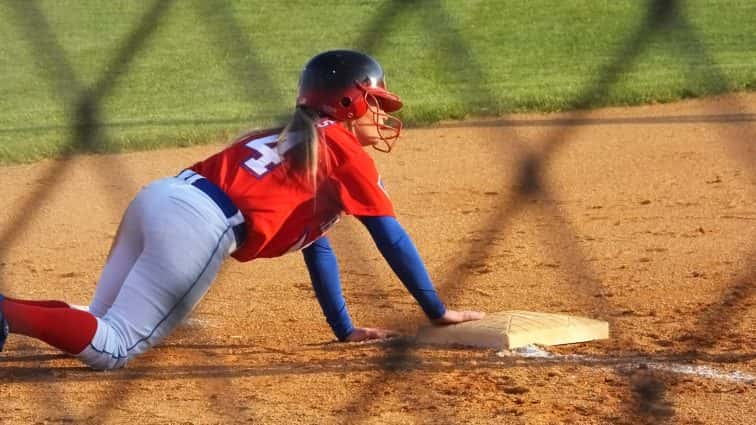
[209, 70]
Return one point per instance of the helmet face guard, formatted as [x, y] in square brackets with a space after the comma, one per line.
[388, 126]
[342, 83]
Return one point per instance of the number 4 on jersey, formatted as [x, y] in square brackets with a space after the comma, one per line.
[265, 156]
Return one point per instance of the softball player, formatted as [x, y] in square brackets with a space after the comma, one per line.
[268, 194]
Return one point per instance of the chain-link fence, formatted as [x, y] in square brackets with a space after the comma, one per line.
[84, 102]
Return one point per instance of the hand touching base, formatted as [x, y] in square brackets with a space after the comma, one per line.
[366, 334]
[452, 317]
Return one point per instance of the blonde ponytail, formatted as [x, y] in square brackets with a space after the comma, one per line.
[299, 141]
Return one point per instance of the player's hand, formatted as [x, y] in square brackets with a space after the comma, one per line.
[452, 317]
[366, 334]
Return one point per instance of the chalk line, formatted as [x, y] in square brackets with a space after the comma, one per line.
[532, 351]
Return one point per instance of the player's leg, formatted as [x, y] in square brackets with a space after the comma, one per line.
[63, 326]
[185, 243]
[127, 246]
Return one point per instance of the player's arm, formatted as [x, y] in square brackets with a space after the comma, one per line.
[362, 195]
[324, 274]
[397, 248]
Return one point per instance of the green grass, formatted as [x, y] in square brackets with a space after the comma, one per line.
[207, 71]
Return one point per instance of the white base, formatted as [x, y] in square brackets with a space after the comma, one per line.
[513, 329]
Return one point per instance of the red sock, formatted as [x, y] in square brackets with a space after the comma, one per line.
[68, 329]
[50, 304]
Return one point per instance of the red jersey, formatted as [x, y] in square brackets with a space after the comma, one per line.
[281, 213]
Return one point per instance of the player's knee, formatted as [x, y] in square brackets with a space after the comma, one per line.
[107, 350]
[101, 361]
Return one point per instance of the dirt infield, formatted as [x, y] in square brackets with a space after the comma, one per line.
[645, 217]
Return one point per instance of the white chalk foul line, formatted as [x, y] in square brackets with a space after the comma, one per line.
[532, 351]
[703, 371]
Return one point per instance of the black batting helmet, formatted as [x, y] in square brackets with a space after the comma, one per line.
[337, 83]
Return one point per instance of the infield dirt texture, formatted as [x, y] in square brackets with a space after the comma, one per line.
[645, 217]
